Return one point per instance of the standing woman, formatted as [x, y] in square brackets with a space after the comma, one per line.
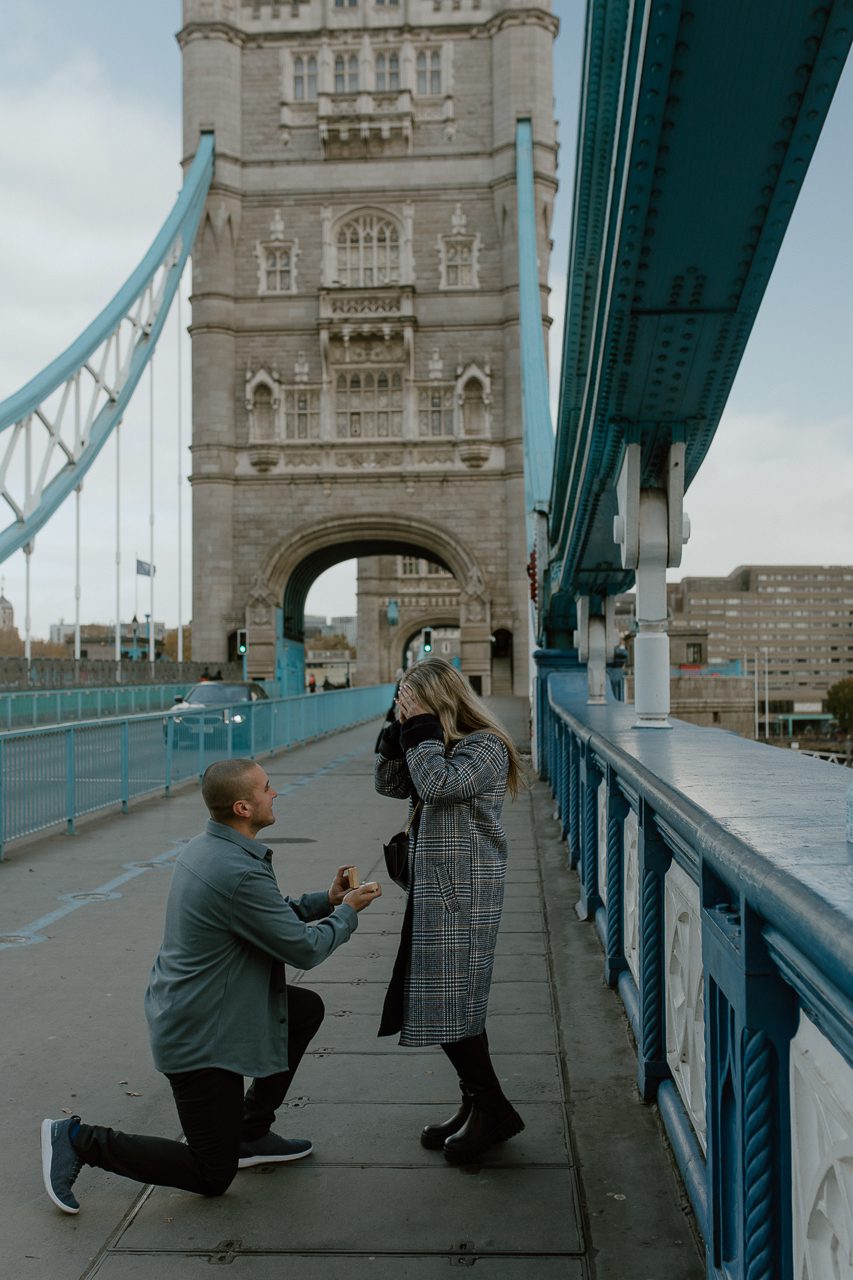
[454, 762]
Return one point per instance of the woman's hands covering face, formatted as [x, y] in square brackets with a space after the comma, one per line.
[409, 705]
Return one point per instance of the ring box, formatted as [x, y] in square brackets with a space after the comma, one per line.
[351, 874]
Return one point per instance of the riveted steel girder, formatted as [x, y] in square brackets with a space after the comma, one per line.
[698, 123]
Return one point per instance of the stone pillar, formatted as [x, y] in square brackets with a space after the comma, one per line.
[211, 49]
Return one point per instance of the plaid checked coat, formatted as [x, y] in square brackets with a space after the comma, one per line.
[457, 867]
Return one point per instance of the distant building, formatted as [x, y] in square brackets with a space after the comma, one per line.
[347, 627]
[98, 639]
[315, 624]
[7, 614]
[801, 615]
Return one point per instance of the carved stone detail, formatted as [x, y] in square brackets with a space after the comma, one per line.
[685, 994]
[821, 1154]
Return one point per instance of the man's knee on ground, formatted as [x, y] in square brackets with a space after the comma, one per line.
[215, 1182]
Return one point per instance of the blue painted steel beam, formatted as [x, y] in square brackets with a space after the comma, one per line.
[176, 235]
[536, 412]
[698, 123]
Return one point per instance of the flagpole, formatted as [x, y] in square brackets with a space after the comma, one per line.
[151, 654]
[180, 491]
[118, 554]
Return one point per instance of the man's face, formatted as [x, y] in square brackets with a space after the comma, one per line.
[261, 800]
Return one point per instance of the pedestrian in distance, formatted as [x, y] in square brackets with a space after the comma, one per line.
[312, 683]
[454, 763]
[218, 1004]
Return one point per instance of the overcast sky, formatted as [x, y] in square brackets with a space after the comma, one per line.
[89, 171]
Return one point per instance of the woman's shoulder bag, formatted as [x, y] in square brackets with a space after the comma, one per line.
[397, 852]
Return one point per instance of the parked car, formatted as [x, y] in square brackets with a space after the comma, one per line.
[207, 707]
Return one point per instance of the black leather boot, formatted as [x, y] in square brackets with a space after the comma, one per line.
[433, 1136]
[493, 1119]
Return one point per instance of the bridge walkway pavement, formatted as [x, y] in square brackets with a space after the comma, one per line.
[587, 1190]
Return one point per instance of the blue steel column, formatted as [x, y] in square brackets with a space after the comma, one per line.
[574, 837]
[750, 1019]
[546, 661]
[590, 781]
[617, 812]
[653, 862]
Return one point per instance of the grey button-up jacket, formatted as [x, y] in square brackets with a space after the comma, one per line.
[216, 996]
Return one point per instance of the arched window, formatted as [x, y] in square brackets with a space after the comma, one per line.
[368, 252]
[387, 72]
[305, 79]
[340, 77]
[428, 72]
[277, 267]
[263, 426]
[369, 404]
[352, 73]
[473, 408]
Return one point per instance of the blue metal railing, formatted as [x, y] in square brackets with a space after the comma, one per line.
[57, 706]
[730, 943]
[55, 775]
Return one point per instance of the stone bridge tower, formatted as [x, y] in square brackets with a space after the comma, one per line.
[356, 382]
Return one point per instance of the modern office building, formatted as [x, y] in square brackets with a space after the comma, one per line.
[795, 620]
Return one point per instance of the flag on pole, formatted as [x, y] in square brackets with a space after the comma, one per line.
[144, 569]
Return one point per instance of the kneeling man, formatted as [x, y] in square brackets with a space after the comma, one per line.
[218, 1005]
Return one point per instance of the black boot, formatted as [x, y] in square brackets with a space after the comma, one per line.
[433, 1136]
[493, 1119]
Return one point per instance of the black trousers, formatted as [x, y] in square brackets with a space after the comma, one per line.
[473, 1062]
[215, 1117]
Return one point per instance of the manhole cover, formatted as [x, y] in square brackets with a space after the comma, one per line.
[89, 897]
[14, 939]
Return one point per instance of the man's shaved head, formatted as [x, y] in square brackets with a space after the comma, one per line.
[225, 782]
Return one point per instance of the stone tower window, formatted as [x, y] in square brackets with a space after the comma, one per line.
[276, 260]
[368, 250]
[346, 73]
[473, 408]
[428, 69]
[305, 79]
[277, 269]
[459, 255]
[435, 411]
[369, 404]
[262, 421]
[301, 413]
[387, 72]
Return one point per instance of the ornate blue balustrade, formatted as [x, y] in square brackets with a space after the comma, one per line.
[718, 877]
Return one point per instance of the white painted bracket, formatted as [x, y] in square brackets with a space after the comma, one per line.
[651, 529]
[595, 640]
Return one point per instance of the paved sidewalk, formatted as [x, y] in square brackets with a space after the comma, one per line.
[594, 1199]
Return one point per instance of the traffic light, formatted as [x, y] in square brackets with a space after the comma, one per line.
[427, 639]
[242, 643]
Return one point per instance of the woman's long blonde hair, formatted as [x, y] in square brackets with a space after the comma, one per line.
[448, 695]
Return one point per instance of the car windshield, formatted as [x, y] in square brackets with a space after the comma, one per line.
[215, 694]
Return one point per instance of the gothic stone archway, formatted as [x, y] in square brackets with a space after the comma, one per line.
[290, 567]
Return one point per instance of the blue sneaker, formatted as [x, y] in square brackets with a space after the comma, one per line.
[60, 1163]
[271, 1149]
